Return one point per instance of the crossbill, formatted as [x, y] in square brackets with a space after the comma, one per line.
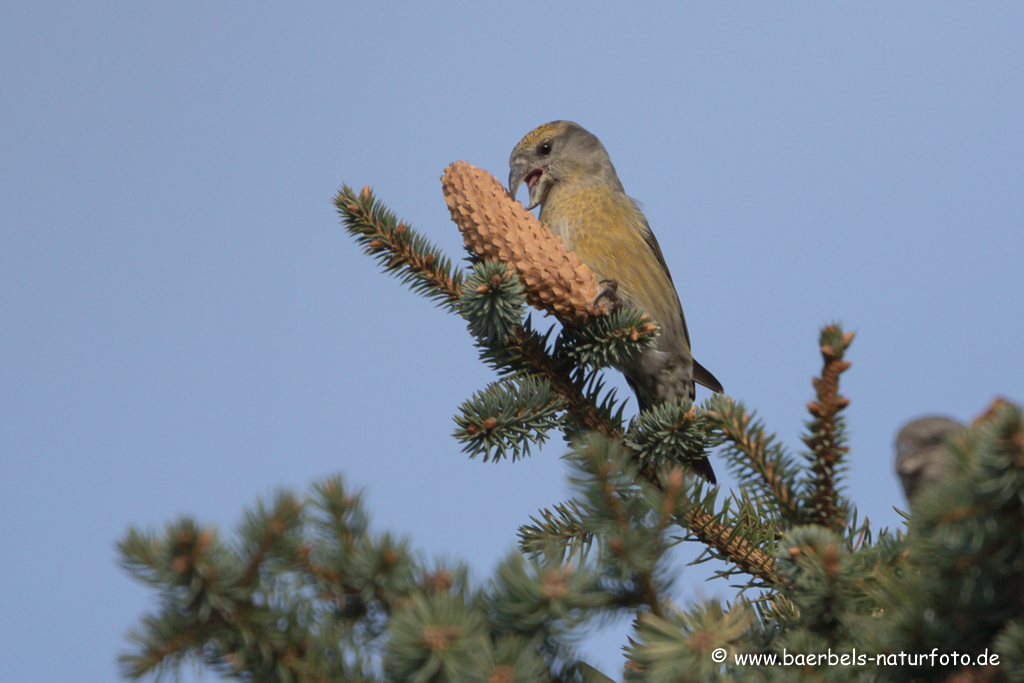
[922, 459]
[570, 176]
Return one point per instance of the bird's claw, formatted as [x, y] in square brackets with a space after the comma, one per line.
[610, 294]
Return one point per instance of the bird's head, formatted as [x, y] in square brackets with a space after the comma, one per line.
[922, 457]
[557, 152]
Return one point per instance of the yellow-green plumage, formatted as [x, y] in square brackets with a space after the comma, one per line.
[607, 231]
[572, 179]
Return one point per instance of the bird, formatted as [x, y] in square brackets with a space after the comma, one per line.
[571, 178]
[922, 459]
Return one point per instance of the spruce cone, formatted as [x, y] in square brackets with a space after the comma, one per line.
[497, 227]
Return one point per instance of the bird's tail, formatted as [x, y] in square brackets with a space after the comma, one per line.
[703, 468]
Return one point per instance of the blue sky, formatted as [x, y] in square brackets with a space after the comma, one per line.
[186, 327]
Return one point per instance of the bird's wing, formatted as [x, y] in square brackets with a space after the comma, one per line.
[652, 243]
[701, 375]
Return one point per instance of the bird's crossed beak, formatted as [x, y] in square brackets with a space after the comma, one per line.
[536, 180]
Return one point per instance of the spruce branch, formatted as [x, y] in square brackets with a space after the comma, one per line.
[434, 637]
[826, 436]
[1009, 643]
[728, 543]
[262, 529]
[756, 458]
[524, 351]
[505, 418]
[724, 542]
[628, 516]
[200, 599]
[533, 356]
[678, 646]
[528, 352]
[245, 609]
[539, 601]
[565, 527]
[161, 645]
[400, 249]
[492, 302]
[752, 519]
[673, 432]
[811, 561]
[614, 340]
[1001, 429]
[616, 489]
[337, 514]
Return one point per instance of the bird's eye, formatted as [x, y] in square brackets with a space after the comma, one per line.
[545, 148]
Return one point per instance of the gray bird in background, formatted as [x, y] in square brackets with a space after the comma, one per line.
[922, 459]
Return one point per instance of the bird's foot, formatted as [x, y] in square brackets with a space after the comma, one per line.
[609, 296]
